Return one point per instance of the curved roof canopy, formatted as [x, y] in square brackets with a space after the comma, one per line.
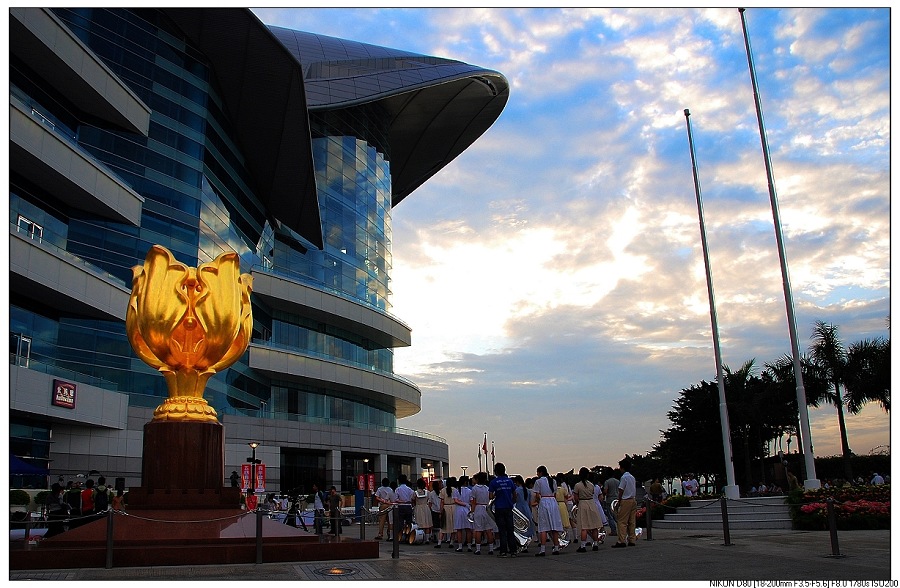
[271, 77]
[437, 107]
[262, 87]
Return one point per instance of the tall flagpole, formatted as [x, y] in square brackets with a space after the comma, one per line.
[732, 491]
[811, 482]
[492, 457]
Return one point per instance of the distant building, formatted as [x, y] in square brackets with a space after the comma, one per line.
[204, 130]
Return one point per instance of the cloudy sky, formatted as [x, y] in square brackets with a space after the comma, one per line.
[553, 274]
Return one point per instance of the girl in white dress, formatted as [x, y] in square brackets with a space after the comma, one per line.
[549, 521]
[483, 522]
[448, 502]
[421, 510]
[461, 523]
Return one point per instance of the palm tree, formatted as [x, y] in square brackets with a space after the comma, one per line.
[829, 359]
[868, 374]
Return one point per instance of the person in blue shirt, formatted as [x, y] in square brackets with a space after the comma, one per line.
[502, 492]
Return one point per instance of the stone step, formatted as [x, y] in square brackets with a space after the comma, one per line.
[707, 525]
[769, 512]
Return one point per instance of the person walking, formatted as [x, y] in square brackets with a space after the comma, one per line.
[87, 498]
[384, 497]
[478, 507]
[626, 519]
[611, 493]
[549, 521]
[503, 492]
[319, 500]
[564, 502]
[334, 511]
[448, 504]
[461, 524]
[523, 505]
[589, 520]
[598, 499]
[405, 498]
[421, 510]
[434, 503]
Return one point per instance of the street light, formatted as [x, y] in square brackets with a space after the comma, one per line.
[464, 468]
[251, 491]
[366, 482]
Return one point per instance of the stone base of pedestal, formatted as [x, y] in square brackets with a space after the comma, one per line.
[182, 538]
[183, 467]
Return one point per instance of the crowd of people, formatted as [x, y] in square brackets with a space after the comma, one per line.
[551, 514]
[75, 503]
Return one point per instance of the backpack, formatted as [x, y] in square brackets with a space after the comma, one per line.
[101, 499]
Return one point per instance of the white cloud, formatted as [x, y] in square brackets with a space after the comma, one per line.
[552, 274]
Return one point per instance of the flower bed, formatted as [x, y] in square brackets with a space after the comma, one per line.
[855, 507]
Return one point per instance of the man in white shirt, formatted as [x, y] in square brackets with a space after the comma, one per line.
[319, 507]
[384, 498]
[626, 519]
[405, 496]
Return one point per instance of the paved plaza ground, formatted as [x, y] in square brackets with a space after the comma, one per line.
[761, 556]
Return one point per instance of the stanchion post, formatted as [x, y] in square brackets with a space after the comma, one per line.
[362, 522]
[648, 520]
[723, 501]
[832, 528]
[27, 531]
[258, 536]
[109, 539]
[396, 516]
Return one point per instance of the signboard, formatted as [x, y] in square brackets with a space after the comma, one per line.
[371, 482]
[260, 477]
[63, 394]
[361, 482]
[245, 477]
[260, 484]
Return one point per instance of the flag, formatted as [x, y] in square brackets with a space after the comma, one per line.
[484, 445]
[492, 451]
[479, 454]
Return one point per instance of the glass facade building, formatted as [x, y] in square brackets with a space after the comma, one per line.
[205, 131]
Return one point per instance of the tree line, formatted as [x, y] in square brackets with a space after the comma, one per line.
[762, 409]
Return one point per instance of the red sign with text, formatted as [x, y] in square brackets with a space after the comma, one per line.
[260, 484]
[63, 394]
[371, 482]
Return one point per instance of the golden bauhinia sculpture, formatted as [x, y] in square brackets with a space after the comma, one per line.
[188, 323]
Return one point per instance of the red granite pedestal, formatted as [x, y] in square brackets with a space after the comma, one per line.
[183, 515]
[183, 467]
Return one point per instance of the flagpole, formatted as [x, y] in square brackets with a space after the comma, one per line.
[811, 483]
[479, 458]
[731, 490]
[492, 457]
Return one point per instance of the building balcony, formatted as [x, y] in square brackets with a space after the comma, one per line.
[54, 277]
[48, 158]
[53, 52]
[385, 389]
[283, 293]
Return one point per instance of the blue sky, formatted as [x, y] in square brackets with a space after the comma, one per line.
[553, 274]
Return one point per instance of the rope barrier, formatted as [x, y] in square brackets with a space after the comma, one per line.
[128, 514]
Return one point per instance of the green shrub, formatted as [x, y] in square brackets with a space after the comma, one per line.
[677, 501]
[19, 498]
[41, 497]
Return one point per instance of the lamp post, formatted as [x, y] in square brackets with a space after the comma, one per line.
[365, 509]
[366, 483]
[464, 468]
[251, 490]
